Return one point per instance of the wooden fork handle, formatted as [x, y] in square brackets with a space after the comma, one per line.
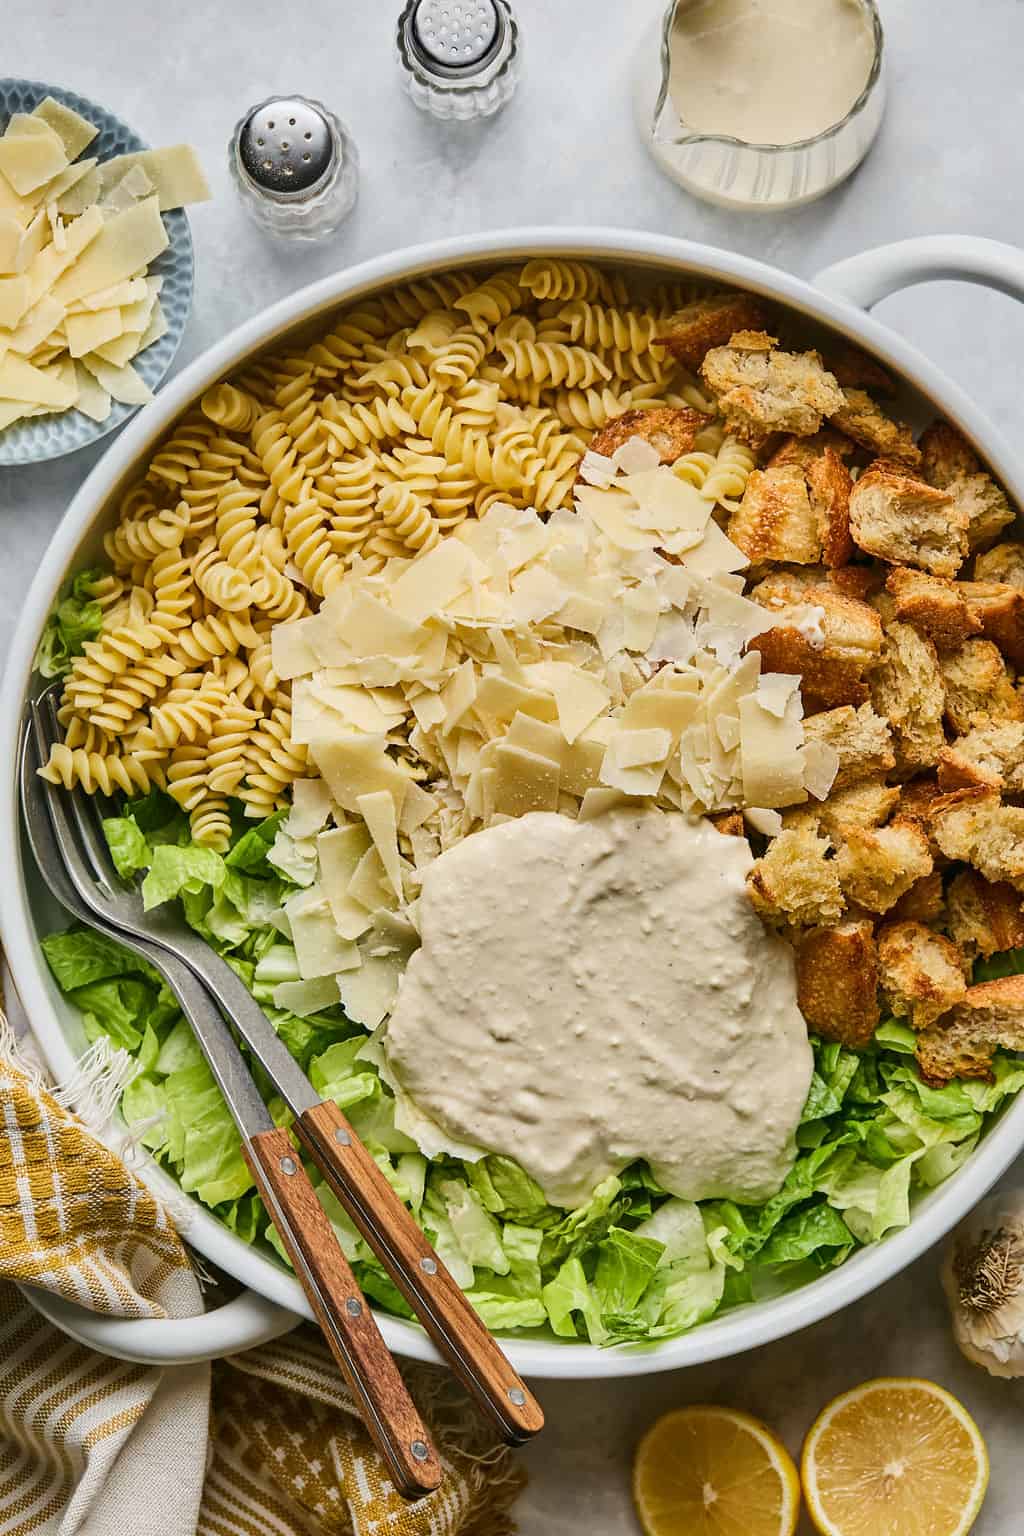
[385, 1224]
[347, 1322]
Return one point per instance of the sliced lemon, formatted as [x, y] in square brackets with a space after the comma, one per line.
[897, 1455]
[709, 1471]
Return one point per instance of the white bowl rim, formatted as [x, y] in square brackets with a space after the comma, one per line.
[746, 1327]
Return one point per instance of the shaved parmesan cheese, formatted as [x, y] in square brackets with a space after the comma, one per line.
[357, 765]
[770, 747]
[174, 172]
[30, 159]
[19, 380]
[378, 811]
[13, 300]
[73, 130]
[760, 819]
[86, 332]
[93, 399]
[635, 455]
[11, 233]
[122, 384]
[126, 244]
[715, 555]
[431, 581]
[821, 764]
[319, 949]
[311, 806]
[597, 469]
[306, 998]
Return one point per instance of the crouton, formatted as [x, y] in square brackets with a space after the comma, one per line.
[984, 917]
[837, 983]
[963, 1043]
[919, 971]
[860, 581]
[979, 688]
[804, 450]
[1005, 563]
[862, 740]
[876, 866]
[775, 519]
[860, 418]
[904, 520]
[856, 370]
[729, 823]
[998, 609]
[829, 484]
[923, 903]
[988, 757]
[974, 826]
[668, 428]
[691, 332]
[907, 689]
[933, 604]
[985, 507]
[796, 881]
[761, 390]
[945, 454]
[828, 639]
[868, 803]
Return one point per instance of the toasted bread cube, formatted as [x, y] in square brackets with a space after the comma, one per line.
[829, 484]
[796, 881]
[856, 370]
[963, 1043]
[974, 826]
[923, 903]
[907, 689]
[868, 803]
[775, 519]
[920, 972]
[985, 506]
[998, 609]
[979, 688]
[933, 604]
[668, 428]
[804, 450]
[862, 740]
[860, 581]
[946, 454]
[876, 866]
[1005, 563]
[709, 322]
[729, 823]
[860, 418]
[761, 390]
[984, 917]
[837, 983]
[906, 521]
[988, 757]
[827, 638]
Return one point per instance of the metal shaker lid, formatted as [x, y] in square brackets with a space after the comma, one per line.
[286, 147]
[455, 38]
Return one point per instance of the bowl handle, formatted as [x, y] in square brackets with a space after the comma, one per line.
[239, 1324]
[873, 275]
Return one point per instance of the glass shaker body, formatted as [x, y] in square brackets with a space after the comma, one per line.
[295, 167]
[459, 58]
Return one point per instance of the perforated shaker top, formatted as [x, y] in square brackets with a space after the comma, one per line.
[286, 147]
[456, 37]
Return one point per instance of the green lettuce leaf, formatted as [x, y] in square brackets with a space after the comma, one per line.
[128, 848]
[80, 956]
[76, 619]
[249, 854]
[175, 870]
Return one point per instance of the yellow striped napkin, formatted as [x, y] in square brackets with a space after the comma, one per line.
[265, 1444]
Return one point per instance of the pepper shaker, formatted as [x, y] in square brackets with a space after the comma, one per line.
[459, 58]
[295, 167]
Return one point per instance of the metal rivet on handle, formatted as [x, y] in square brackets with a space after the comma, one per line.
[343, 1137]
[428, 1266]
[516, 1395]
[289, 1165]
[353, 1307]
[420, 1450]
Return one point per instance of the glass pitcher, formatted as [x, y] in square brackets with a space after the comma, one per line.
[737, 174]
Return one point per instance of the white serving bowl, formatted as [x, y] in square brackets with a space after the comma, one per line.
[26, 911]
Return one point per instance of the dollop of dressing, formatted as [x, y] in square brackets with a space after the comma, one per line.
[588, 993]
[769, 71]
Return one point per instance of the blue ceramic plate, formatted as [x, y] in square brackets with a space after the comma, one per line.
[48, 437]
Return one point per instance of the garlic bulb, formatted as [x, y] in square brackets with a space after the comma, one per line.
[983, 1278]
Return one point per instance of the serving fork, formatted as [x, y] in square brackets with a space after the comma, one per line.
[284, 1186]
[327, 1135]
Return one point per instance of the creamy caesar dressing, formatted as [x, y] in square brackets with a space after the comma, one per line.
[769, 71]
[588, 993]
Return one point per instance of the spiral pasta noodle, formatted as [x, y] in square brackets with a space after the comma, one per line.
[414, 409]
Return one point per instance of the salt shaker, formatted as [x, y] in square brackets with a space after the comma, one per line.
[459, 58]
[295, 167]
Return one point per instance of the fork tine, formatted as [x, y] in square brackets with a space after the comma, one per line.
[90, 834]
[45, 731]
